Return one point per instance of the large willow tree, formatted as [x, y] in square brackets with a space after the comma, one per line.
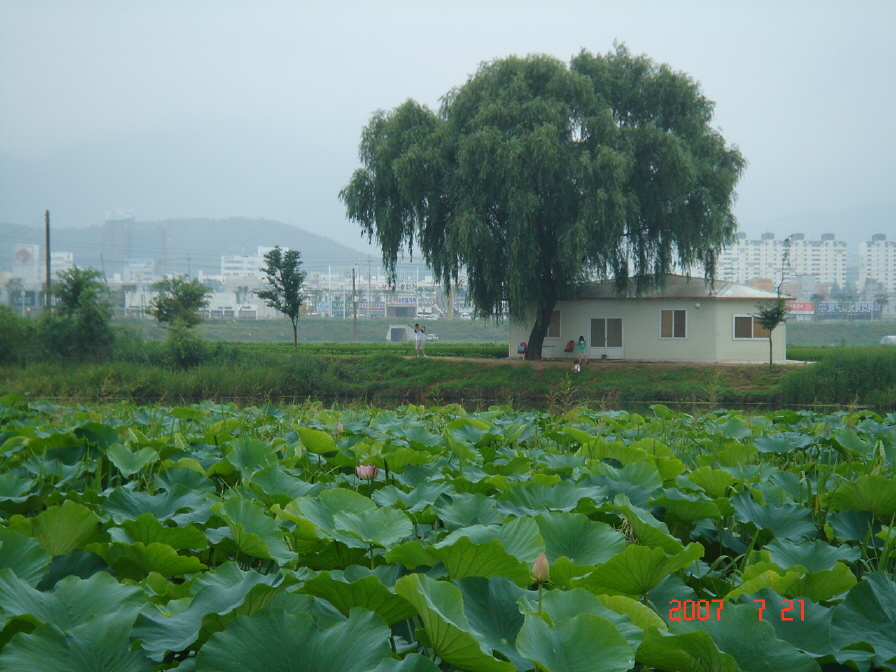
[535, 176]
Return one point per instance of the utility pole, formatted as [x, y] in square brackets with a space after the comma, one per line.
[47, 231]
[354, 307]
[369, 290]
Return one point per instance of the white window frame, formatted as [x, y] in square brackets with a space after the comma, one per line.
[673, 337]
[559, 326]
[752, 329]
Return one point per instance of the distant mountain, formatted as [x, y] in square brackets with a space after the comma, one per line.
[186, 244]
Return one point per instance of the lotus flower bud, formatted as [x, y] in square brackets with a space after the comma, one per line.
[366, 472]
[541, 570]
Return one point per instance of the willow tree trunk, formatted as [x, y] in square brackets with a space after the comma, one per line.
[539, 331]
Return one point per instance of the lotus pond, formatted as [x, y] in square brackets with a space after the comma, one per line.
[224, 539]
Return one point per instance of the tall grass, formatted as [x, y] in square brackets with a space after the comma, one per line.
[844, 376]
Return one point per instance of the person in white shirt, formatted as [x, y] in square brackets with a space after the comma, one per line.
[420, 338]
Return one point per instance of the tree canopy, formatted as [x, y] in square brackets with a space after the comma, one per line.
[535, 176]
[285, 283]
[80, 323]
[179, 300]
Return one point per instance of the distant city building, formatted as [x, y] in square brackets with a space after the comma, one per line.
[750, 260]
[140, 271]
[877, 263]
[245, 265]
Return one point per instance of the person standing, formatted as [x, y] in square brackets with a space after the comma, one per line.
[420, 340]
[582, 357]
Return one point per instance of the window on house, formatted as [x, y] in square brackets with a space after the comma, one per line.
[554, 326]
[747, 326]
[673, 324]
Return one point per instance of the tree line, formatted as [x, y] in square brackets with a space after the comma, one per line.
[78, 323]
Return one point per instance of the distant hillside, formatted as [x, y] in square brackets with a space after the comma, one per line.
[192, 244]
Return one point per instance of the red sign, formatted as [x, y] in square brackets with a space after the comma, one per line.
[801, 306]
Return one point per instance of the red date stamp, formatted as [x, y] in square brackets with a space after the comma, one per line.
[702, 610]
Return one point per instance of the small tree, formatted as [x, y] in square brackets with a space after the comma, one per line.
[80, 324]
[770, 314]
[286, 279]
[179, 300]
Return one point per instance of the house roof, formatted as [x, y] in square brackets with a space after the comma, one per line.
[676, 287]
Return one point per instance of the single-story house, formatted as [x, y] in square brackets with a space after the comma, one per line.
[687, 320]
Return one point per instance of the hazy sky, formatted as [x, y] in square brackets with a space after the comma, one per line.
[255, 109]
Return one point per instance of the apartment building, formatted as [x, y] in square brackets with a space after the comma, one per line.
[877, 262]
[750, 260]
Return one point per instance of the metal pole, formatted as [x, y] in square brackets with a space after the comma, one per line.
[354, 307]
[47, 231]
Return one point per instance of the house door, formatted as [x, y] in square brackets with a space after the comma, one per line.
[606, 338]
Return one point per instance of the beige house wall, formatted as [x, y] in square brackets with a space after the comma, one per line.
[709, 331]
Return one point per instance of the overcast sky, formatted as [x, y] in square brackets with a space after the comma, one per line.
[255, 109]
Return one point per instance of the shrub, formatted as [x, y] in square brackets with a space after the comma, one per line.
[185, 348]
[17, 345]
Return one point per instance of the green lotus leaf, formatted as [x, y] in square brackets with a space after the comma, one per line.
[419, 437]
[751, 642]
[640, 614]
[379, 527]
[17, 493]
[102, 644]
[316, 441]
[321, 509]
[824, 585]
[527, 499]
[850, 525]
[97, 433]
[72, 602]
[809, 630]
[573, 645]
[253, 532]
[60, 529]
[250, 455]
[277, 641]
[464, 557]
[397, 460]
[684, 652]
[492, 611]
[411, 554]
[815, 556]
[179, 504]
[574, 536]
[637, 570]
[136, 561]
[413, 662]
[649, 531]
[220, 592]
[275, 485]
[759, 577]
[868, 614]
[715, 482]
[148, 530]
[687, 508]
[560, 605]
[130, 462]
[367, 592]
[871, 493]
[638, 481]
[467, 509]
[421, 496]
[787, 521]
[78, 563]
[782, 442]
[23, 555]
[440, 605]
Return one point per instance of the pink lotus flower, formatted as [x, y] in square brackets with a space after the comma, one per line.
[367, 472]
[541, 570]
